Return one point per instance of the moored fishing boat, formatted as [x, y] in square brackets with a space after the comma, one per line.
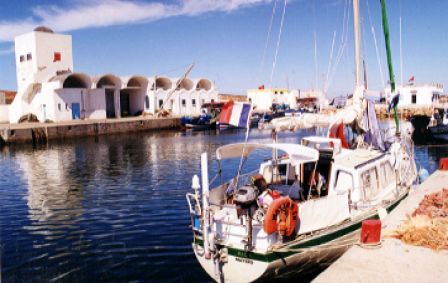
[299, 213]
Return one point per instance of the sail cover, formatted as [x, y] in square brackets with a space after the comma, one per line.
[297, 153]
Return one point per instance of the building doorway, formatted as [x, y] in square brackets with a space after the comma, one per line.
[110, 103]
[124, 104]
[76, 111]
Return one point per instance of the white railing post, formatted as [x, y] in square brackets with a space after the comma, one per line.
[205, 204]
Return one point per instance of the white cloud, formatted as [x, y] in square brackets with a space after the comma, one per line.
[103, 13]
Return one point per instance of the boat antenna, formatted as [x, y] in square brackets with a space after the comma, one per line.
[185, 75]
[389, 61]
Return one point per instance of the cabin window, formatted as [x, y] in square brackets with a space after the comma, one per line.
[160, 103]
[387, 175]
[66, 106]
[193, 102]
[29, 57]
[344, 183]
[59, 106]
[213, 101]
[369, 183]
[22, 58]
[184, 103]
[147, 102]
[414, 98]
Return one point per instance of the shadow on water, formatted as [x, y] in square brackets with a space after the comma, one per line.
[112, 208]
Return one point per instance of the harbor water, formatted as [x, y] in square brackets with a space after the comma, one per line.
[113, 208]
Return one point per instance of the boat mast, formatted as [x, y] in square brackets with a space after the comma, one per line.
[389, 60]
[358, 62]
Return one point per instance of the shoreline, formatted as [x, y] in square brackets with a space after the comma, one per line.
[41, 133]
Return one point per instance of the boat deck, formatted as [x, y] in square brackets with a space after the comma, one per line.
[394, 261]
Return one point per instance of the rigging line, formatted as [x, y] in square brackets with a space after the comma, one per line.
[343, 44]
[378, 57]
[278, 44]
[344, 40]
[330, 61]
[267, 40]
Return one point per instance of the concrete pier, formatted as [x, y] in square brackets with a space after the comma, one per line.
[42, 132]
[394, 261]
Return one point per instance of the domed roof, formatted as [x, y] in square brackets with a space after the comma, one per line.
[44, 29]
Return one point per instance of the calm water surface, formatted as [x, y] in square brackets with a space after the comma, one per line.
[113, 208]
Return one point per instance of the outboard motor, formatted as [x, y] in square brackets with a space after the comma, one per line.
[246, 196]
[246, 199]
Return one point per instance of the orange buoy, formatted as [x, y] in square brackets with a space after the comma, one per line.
[282, 216]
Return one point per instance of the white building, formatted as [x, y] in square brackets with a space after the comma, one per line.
[262, 99]
[49, 89]
[422, 95]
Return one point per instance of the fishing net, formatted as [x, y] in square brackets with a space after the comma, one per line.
[428, 226]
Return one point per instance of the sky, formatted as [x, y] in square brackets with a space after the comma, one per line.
[238, 44]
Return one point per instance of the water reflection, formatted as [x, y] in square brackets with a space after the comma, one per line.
[112, 209]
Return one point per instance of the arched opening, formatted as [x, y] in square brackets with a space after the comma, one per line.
[110, 84]
[163, 83]
[137, 82]
[108, 81]
[132, 97]
[186, 84]
[204, 84]
[77, 80]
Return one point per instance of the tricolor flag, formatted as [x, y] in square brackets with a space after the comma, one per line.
[235, 114]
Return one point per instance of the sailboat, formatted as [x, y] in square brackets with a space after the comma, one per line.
[301, 209]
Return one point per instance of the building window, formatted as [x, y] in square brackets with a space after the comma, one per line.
[29, 57]
[57, 57]
[22, 58]
[160, 103]
[184, 103]
[414, 98]
[59, 106]
[66, 106]
[147, 102]
[193, 102]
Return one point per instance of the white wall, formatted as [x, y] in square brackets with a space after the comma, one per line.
[4, 113]
[423, 94]
[41, 46]
[94, 103]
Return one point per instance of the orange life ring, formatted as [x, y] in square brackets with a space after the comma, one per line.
[282, 216]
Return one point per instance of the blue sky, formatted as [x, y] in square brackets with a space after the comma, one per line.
[226, 40]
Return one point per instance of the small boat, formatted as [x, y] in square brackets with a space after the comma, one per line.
[297, 213]
[430, 130]
[201, 127]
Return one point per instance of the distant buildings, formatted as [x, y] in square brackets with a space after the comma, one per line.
[50, 89]
[422, 94]
[262, 99]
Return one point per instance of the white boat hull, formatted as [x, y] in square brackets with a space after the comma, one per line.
[303, 263]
